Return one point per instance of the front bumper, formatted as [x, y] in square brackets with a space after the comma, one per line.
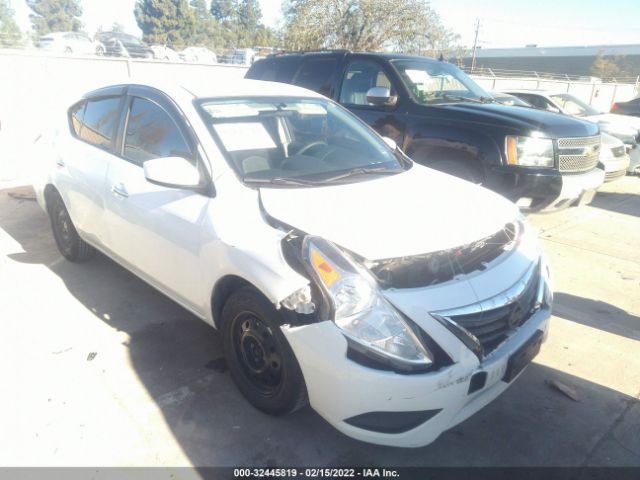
[340, 389]
[615, 167]
[577, 189]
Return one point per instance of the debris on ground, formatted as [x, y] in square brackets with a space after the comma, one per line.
[91, 356]
[565, 389]
[23, 193]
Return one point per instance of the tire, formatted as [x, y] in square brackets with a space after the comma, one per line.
[99, 51]
[69, 243]
[458, 169]
[260, 359]
[68, 50]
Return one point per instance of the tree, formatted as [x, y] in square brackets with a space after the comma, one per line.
[603, 67]
[364, 25]
[224, 10]
[10, 35]
[55, 16]
[207, 29]
[170, 22]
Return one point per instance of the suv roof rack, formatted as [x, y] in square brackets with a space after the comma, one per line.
[303, 52]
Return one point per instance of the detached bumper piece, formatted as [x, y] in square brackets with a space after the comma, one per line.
[391, 422]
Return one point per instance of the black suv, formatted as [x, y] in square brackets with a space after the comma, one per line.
[120, 44]
[441, 118]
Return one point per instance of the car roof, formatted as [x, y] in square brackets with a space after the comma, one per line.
[232, 87]
[385, 55]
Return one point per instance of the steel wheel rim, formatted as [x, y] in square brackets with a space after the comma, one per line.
[258, 353]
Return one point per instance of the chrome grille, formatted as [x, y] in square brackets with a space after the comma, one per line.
[578, 154]
[492, 320]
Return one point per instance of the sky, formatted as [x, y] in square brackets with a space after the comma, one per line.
[503, 23]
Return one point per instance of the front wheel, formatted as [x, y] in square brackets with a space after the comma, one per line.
[261, 362]
[71, 246]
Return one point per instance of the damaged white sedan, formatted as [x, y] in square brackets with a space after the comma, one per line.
[395, 299]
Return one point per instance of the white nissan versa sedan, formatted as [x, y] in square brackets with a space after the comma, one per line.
[395, 299]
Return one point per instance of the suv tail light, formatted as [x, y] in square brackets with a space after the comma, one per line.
[614, 107]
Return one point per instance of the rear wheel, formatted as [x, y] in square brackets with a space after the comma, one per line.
[71, 246]
[260, 359]
[99, 51]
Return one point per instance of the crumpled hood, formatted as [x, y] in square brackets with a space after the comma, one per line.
[414, 212]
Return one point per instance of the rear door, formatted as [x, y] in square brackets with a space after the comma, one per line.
[157, 231]
[362, 74]
[83, 160]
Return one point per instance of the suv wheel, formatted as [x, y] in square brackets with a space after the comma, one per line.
[261, 362]
[71, 246]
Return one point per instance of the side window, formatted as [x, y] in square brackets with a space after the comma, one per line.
[275, 70]
[100, 120]
[359, 78]
[152, 133]
[76, 115]
[317, 75]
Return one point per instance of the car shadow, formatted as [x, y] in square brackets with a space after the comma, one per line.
[597, 314]
[178, 359]
[626, 203]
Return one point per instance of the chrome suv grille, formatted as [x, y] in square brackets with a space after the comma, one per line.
[492, 320]
[578, 154]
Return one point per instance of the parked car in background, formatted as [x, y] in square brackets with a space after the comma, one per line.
[162, 52]
[121, 44]
[198, 55]
[258, 207]
[509, 100]
[614, 157]
[632, 107]
[443, 119]
[71, 42]
[623, 127]
[243, 56]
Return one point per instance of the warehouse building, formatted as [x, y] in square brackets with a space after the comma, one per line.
[574, 61]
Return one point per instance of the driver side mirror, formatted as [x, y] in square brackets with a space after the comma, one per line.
[172, 172]
[381, 96]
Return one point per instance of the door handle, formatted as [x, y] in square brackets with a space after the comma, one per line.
[59, 162]
[120, 190]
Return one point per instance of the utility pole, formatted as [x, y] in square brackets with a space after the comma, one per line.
[475, 46]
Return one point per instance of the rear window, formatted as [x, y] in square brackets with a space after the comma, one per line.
[274, 69]
[317, 75]
[100, 120]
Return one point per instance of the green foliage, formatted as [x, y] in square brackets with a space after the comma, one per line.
[604, 67]
[224, 10]
[409, 26]
[10, 35]
[166, 22]
[55, 16]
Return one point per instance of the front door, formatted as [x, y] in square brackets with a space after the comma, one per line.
[360, 76]
[156, 231]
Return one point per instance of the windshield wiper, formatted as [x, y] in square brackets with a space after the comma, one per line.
[281, 181]
[363, 171]
[461, 98]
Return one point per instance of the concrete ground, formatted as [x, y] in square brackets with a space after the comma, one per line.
[100, 369]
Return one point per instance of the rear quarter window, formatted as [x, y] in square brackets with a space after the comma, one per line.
[76, 116]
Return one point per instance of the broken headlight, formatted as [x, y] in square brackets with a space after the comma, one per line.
[358, 308]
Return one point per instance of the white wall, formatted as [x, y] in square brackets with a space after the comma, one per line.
[36, 89]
